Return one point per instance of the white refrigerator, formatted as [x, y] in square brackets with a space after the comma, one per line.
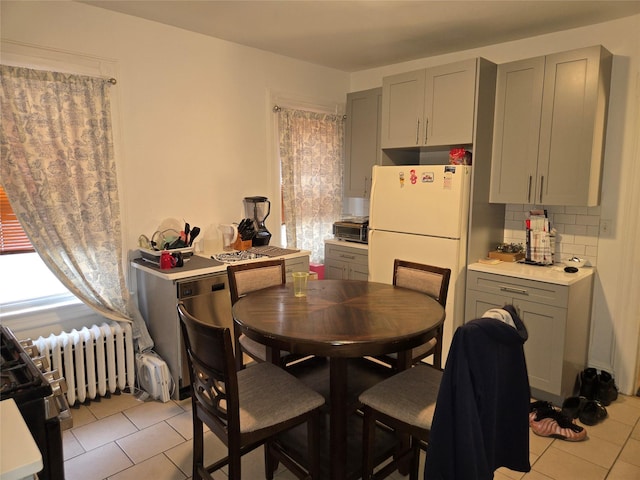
[420, 213]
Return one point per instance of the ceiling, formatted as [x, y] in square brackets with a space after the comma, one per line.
[357, 35]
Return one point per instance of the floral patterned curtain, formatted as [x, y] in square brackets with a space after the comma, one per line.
[59, 172]
[311, 161]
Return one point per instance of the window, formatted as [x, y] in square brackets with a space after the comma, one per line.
[310, 151]
[26, 282]
[12, 236]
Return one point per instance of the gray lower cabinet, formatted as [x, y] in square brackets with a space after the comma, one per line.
[297, 264]
[343, 262]
[557, 318]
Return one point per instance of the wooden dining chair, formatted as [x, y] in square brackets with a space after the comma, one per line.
[433, 281]
[405, 403]
[244, 409]
[244, 279]
[473, 416]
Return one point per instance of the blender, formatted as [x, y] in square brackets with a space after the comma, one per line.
[258, 209]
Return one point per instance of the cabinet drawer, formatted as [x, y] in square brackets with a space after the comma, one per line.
[352, 255]
[297, 264]
[519, 288]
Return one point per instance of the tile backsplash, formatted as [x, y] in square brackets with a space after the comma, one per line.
[577, 229]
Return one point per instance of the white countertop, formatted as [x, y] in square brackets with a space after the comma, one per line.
[548, 274]
[181, 273]
[19, 454]
[346, 243]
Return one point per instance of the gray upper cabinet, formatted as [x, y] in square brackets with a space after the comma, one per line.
[362, 140]
[429, 107]
[549, 129]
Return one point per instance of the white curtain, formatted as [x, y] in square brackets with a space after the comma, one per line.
[59, 173]
[311, 146]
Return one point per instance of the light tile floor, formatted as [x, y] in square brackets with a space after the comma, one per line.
[122, 438]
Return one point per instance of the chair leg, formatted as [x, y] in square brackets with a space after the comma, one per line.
[415, 458]
[313, 441]
[198, 446]
[269, 461]
[368, 436]
[235, 460]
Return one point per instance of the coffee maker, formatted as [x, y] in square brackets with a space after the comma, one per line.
[258, 209]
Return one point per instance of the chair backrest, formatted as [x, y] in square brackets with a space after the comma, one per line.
[249, 277]
[212, 371]
[434, 281]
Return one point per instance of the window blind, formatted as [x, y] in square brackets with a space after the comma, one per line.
[12, 236]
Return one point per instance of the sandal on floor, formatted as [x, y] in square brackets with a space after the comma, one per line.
[592, 413]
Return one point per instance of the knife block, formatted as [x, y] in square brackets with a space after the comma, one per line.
[240, 244]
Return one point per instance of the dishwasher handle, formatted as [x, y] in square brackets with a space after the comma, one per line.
[201, 286]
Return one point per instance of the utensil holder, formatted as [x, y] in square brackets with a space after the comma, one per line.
[240, 244]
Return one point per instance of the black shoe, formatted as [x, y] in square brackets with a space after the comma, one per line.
[572, 406]
[607, 391]
[592, 413]
[541, 407]
[589, 383]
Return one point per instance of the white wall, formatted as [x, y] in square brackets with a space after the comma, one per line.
[616, 310]
[193, 116]
[194, 112]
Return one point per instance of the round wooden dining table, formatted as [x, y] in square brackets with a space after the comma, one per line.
[339, 319]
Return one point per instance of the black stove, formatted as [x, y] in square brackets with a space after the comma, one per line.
[21, 380]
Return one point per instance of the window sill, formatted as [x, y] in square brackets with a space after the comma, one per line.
[36, 306]
[64, 314]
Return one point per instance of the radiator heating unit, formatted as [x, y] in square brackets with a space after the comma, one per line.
[95, 361]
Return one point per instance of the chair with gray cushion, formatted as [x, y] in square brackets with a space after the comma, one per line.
[405, 403]
[247, 408]
[244, 279]
[433, 281]
[474, 416]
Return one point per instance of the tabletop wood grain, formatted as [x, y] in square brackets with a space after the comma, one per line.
[339, 318]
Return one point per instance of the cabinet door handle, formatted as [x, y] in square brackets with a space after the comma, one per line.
[541, 186]
[520, 291]
[417, 131]
[365, 186]
[426, 130]
[350, 257]
[529, 190]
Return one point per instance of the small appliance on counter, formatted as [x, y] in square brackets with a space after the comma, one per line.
[258, 209]
[352, 229]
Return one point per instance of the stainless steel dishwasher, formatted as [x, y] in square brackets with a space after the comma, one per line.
[206, 298]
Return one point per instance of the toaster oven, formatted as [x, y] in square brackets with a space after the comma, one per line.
[352, 229]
